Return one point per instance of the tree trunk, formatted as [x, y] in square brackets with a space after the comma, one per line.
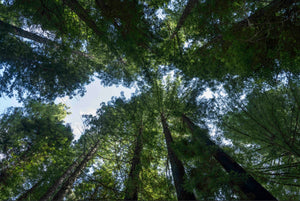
[70, 181]
[190, 5]
[25, 34]
[75, 6]
[249, 186]
[51, 191]
[34, 37]
[176, 165]
[26, 195]
[131, 192]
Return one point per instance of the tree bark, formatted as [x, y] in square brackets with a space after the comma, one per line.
[176, 165]
[59, 196]
[131, 192]
[51, 191]
[249, 186]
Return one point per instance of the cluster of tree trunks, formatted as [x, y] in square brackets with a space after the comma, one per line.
[65, 182]
[51, 191]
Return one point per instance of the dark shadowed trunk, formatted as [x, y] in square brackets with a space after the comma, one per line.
[25, 34]
[51, 191]
[75, 6]
[70, 181]
[176, 165]
[190, 5]
[131, 192]
[249, 186]
[26, 195]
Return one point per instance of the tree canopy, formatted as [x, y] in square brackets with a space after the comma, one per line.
[168, 141]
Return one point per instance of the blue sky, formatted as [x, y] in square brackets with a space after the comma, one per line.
[88, 104]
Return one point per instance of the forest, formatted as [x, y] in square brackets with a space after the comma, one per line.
[168, 141]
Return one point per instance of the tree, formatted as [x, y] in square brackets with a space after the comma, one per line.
[32, 139]
[131, 193]
[59, 66]
[69, 182]
[250, 187]
[267, 122]
[29, 69]
[59, 181]
[176, 165]
[241, 38]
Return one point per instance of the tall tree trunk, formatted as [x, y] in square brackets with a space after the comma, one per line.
[190, 5]
[75, 6]
[176, 165]
[34, 37]
[25, 34]
[26, 195]
[131, 192]
[59, 181]
[59, 196]
[249, 186]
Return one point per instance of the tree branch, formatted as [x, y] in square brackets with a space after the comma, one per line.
[189, 7]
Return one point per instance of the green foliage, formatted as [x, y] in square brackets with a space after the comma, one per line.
[242, 38]
[33, 139]
[27, 68]
[248, 49]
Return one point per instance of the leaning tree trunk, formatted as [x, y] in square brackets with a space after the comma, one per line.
[131, 192]
[176, 165]
[75, 6]
[189, 7]
[51, 191]
[39, 39]
[249, 186]
[70, 181]
[28, 193]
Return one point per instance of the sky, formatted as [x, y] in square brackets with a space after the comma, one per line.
[88, 104]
